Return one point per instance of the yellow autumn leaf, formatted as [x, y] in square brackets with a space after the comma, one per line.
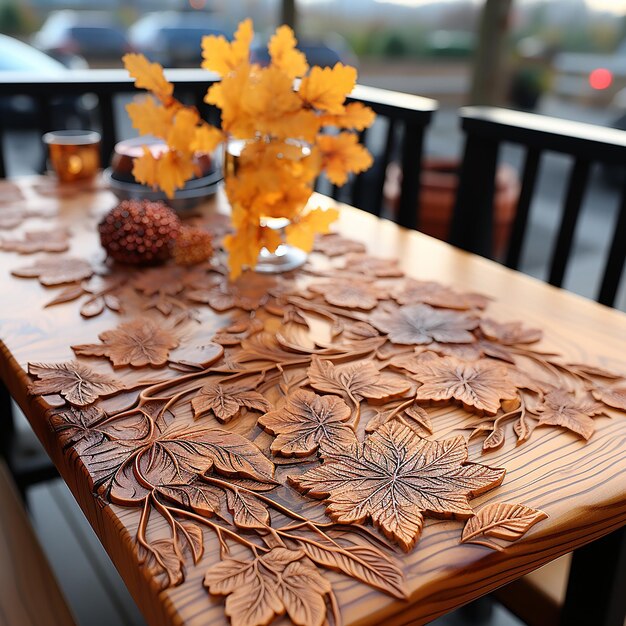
[149, 117]
[148, 76]
[243, 248]
[356, 116]
[206, 138]
[326, 88]
[302, 124]
[269, 95]
[301, 233]
[228, 96]
[222, 56]
[284, 55]
[173, 170]
[144, 168]
[270, 238]
[342, 154]
[183, 131]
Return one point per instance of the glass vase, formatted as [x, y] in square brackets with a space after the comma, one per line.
[284, 160]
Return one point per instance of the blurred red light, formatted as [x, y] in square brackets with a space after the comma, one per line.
[197, 4]
[600, 78]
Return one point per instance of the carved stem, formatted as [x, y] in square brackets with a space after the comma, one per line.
[217, 528]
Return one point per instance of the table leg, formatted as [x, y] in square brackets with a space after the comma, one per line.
[596, 591]
[7, 424]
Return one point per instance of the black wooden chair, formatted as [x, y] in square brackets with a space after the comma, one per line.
[404, 118]
[597, 575]
[486, 129]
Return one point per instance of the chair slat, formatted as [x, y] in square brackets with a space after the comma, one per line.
[472, 222]
[381, 173]
[357, 185]
[575, 191]
[616, 258]
[109, 133]
[3, 171]
[531, 166]
[412, 143]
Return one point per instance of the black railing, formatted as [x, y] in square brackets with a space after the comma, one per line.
[486, 129]
[407, 117]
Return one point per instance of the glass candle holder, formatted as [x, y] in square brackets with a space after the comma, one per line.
[74, 155]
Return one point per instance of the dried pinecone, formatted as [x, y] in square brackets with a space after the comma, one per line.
[139, 232]
[193, 245]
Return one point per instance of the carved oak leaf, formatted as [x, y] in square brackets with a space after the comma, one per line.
[501, 521]
[396, 477]
[421, 324]
[335, 245]
[436, 294]
[372, 266]
[307, 422]
[55, 240]
[478, 385]
[76, 382]
[611, 396]
[355, 380]
[561, 408]
[226, 400]
[269, 585]
[349, 295]
[509, 333]
[138, 343]
[56, 271]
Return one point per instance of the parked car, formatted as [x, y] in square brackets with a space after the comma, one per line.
[21, 111]
[94, 35]
[174, 39]
[323, 52]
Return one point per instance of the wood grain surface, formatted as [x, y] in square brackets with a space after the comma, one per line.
[580, 485]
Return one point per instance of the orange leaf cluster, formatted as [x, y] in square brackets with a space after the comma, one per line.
[277, 137]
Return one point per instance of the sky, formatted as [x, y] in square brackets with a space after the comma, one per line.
[613, 6]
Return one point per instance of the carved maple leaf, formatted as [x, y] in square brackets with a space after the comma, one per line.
[139, 343]
[354, 380]
[350, 295]
[129, 470]
[160, 280]
[56, 271]
[611, 396]
[422, 324]
[335, 245]
[279, 581]
[226, 400]
[509, 333]
[396, 477]
[561, 408]
[76, 382]
[372, 266]
[55, 240]
[82, 427]
[478, 385]
[436, 294]
[308, 421]
[248, 292]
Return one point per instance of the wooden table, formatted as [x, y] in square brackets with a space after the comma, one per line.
[580, 485]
